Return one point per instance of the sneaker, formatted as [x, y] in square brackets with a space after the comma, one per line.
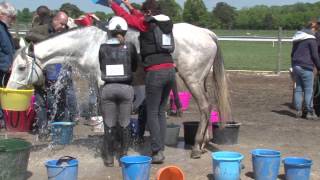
[299, 114]
[311, 116]
[158, 158]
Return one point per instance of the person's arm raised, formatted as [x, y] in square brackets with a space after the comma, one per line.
[133, 20]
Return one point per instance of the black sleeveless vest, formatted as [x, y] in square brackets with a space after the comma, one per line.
[115, 63]
[152, 50]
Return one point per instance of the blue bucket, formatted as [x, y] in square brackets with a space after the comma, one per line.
[105, 2]
[136, 167]
[67, 170]
[297, 168]
[62, 132]
[226, 165]
[266, 163]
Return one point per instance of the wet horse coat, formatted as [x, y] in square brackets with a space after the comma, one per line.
[196, 53]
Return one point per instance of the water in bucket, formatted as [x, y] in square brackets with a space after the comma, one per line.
[136, 167]
[226, 165]
[297, 168]
[65, 168]
[62, 132]
[266, 163]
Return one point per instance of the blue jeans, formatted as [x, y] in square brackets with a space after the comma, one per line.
[304, 87]
[158, 86]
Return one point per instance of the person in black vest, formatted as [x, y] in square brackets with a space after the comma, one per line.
[157, 44]
[118, 60]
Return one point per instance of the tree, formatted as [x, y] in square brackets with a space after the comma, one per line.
[195, 12]
[72, 10]
[137, 6]
[24, 16]
[225, 13]
[101, 15]
[172, 9]
[269, 21]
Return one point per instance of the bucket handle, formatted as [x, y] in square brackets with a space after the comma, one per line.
[52, 177]
[64, 159]
[60, 161]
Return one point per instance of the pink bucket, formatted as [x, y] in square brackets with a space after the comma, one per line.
[214, 118]
[184, 97]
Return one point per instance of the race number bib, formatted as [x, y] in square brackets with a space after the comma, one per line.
[115, 70]
[166, 39]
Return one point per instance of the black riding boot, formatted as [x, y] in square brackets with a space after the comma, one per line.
[108, 146]
[124, 141]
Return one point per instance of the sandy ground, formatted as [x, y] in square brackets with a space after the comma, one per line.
[260, 102]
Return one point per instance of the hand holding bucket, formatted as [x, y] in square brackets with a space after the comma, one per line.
[105, 2]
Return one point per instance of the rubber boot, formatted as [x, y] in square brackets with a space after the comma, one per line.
[108, 146]
[124, 141]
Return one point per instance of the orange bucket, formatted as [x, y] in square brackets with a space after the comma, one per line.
[170, 173]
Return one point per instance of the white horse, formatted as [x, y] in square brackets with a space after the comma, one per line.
[196, 53]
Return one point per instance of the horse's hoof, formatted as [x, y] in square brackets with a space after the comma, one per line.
[203, 151]
[196, 154]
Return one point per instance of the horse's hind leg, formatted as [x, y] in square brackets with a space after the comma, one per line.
[199, 94]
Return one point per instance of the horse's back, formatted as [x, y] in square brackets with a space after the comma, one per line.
[189, 31]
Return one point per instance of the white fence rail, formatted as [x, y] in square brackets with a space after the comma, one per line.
[279, 40]
[221, 38]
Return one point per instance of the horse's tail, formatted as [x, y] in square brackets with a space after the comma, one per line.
[220, 84]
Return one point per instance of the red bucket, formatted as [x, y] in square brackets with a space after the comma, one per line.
[20, 121]
[185, 98]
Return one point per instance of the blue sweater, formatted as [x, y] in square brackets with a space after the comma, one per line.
[305, 50]
[7, 49]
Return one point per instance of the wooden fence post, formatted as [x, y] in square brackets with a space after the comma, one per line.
[279, 51]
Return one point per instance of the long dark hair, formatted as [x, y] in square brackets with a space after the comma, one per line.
[153, 6]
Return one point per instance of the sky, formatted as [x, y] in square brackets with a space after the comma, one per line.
[88, 6]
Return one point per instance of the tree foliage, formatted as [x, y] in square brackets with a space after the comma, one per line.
[223, 16]
[195, 12]
[136, 5]
[172, 9]
[25, 15]
[72, 10]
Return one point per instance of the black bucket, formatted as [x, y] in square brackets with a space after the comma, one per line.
[227, 135]
[190, 131]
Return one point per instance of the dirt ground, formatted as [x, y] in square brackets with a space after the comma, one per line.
[260, 102]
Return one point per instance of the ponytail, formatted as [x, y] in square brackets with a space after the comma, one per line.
[121, 38]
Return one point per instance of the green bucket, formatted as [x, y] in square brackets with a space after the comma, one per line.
[14, 157]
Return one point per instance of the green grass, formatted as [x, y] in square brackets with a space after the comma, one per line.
[254, 55]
